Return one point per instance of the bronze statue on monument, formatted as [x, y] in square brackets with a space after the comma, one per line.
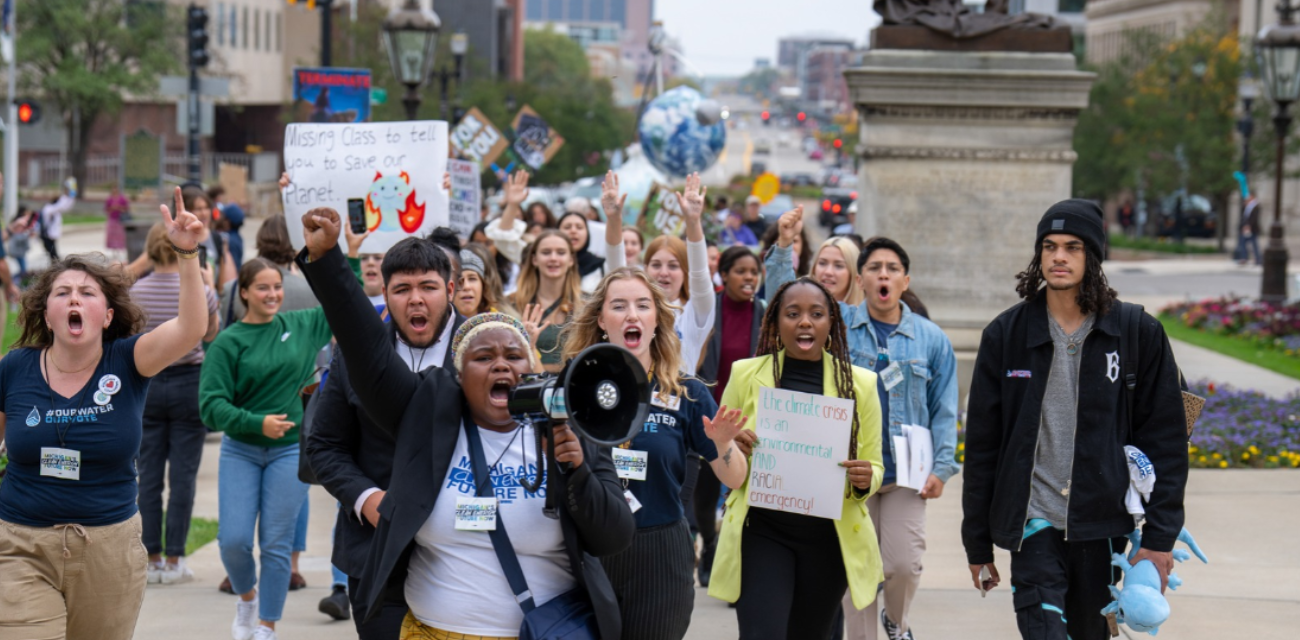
[950, 25]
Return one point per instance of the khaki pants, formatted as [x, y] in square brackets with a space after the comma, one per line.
[898, 514]
[71, 581]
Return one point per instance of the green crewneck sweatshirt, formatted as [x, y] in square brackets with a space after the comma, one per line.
[254, 370]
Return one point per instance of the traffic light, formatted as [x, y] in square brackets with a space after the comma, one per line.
[838, 143]
[801, 117]
[197, 20]
[767, 117]
[29, 112]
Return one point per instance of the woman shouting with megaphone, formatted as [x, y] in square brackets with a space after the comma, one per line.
[653, 578]
[457, 530]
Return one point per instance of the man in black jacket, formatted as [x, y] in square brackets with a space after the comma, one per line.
[1047, 423]
[352, 456]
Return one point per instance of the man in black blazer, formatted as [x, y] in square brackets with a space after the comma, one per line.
[352, 456]
[422, 411]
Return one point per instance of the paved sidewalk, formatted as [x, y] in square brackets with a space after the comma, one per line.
[1247, 590]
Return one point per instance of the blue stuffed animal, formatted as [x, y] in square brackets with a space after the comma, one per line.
[1139, 603]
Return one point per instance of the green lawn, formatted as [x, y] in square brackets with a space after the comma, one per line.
[1241, 349]
[88, 218]
[1163, 245]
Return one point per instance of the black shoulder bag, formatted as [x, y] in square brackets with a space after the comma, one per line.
[1130, 327]
[568, 616]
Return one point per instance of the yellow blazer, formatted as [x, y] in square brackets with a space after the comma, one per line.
[856, 533]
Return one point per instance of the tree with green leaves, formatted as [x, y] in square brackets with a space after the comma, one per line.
[1162, 117]
[83, 57]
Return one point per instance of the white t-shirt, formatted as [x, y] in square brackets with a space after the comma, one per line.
[455, 581]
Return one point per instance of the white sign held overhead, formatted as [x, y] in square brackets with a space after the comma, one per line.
[396, 167]
[463, 209]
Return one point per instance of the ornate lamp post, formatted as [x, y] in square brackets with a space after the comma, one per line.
[411, 38]
[1278, 48]
[459, 46]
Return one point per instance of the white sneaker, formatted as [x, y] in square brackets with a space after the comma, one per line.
[153, 573]
[176, 573]
[264, 633]
[245, 623]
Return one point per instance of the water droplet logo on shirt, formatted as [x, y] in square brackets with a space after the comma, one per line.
[33, 418]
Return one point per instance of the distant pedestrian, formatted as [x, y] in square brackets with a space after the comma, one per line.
[1248, 233]
[1047, 426]
[116, 210]
[735, 233]
[1127, 217]
[51, 220]
[24, 224]
[754, 216]
[233, 214]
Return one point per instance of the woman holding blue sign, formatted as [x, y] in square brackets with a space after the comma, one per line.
[795, 568]
[653, 578]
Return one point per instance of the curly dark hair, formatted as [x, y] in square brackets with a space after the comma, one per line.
[128, 317]
[1095, 294]
[769, 343]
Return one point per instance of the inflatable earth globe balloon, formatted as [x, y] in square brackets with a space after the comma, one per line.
[673, 137]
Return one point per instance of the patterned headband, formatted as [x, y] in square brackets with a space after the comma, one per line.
[484, 322]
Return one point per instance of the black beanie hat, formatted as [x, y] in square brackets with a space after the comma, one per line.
[1081, 218]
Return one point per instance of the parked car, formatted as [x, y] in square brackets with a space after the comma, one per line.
[798, 179]
[835, 204]
[780, 204]
[762, 147]
[816, 154]
[1199, 219]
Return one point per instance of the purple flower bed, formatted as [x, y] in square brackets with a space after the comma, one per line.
[1242, 428]
[1269, 325]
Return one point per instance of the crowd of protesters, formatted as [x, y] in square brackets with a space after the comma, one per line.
[384, 377]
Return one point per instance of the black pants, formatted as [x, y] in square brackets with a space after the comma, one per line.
[653, 582]
[52, 248]
[705, 504]
[387, 623]
[792, 576]
[1061, 587]
[171, 446]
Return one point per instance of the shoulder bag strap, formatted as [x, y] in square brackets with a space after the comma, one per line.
[500, 540]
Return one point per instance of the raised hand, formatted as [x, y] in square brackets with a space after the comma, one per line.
[446, 181]
[610, 198]
[184, 229]
[691, 198]
[725, 426]
[354, 240]
[790, 226]
[515, 190]
[320, 228]
[533, 322]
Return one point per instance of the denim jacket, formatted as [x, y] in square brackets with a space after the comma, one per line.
[927, 396]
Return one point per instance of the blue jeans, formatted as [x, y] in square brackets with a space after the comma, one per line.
[255, 481]
[300, 528]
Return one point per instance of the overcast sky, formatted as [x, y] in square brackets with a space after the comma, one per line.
[723, 37]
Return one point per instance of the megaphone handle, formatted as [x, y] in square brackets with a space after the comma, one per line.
[553, 479]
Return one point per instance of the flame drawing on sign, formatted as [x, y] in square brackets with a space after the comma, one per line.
[391, 202]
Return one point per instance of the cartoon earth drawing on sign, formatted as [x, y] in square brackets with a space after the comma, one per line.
[391, 204]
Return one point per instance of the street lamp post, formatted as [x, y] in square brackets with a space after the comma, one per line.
[1278, 47]
[459, 46]
[411, 38]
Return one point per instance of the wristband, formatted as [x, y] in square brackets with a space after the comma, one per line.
[185, 254]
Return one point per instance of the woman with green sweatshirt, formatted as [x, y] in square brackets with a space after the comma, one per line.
[249, 389]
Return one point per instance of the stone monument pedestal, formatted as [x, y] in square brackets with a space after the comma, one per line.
[961, 153]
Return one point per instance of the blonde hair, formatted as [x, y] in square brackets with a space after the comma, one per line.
[675, 246]
[665, 347]
[855, 295]
[159, 247]
[530, 277]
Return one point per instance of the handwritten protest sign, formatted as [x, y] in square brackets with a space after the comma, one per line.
[802, 438]
[476, 138]
[395, 167]
[662, 214]
[463, 211]
[535, 141]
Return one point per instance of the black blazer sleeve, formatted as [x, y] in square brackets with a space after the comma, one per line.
[382, 382]
[983, 445]
[596, 503]
[335, 439]
[1160, 431]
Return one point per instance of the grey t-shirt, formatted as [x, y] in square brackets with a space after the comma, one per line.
[1049, 493]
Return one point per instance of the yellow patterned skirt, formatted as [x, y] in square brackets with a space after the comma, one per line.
[413, 629]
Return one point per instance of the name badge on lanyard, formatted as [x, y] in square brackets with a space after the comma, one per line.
[631, 464]
[61, 463]
[476, 514]
[891, 376]
[671, 403]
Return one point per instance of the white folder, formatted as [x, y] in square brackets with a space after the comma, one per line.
[913, 456]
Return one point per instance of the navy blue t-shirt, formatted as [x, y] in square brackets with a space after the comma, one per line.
[107, 436]
[882, 338]
[667, 435]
